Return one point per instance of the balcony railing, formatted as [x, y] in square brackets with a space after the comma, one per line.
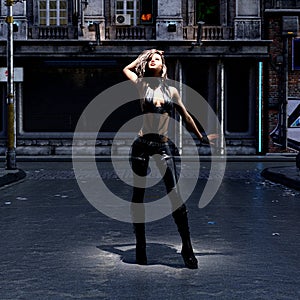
[209, 33]
[130, 33]
[282, 4]
[51, 32]
[189, 32]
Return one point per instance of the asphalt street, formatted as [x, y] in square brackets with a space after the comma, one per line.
[56, 245]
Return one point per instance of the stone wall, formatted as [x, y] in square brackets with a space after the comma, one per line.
[103, 147]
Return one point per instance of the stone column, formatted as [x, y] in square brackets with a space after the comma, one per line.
[191, 13]
[92, 15]
[247, 24]
[20, 21]
[169, 20]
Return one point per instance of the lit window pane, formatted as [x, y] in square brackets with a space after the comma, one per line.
[48, 12]
[63, 22]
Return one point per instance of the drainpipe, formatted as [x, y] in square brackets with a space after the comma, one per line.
[97, 33]
[180, 118]
[199, 35]
[284, 121]
[221, 104]
[178, 129]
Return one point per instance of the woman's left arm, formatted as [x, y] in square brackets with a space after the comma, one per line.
[187, 118]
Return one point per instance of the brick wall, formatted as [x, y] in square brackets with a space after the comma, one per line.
[274, 88]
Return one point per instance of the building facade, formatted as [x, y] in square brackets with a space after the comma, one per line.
[69, 51]
[282, 79]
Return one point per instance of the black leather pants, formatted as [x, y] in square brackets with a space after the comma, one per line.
[141, 151]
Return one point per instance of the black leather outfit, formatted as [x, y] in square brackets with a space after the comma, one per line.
[154, 141]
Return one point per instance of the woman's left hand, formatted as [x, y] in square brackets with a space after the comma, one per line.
[211, 137]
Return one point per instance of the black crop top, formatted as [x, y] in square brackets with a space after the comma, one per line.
[149, 106]
[156, 118]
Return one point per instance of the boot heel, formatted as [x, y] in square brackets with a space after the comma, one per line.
[141, 257]
[140, 246]
[189, 259]
[181, 220]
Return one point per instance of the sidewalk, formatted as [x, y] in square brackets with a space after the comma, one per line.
[8, 177]
[286, 175]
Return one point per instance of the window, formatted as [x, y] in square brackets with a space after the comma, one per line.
[296, 123]
[53, 12]
[140, 11]
[295, 54]
[239, 95]
[293, 111]
[46, 110]
[130, 7]
[147, 12]
[2, 105]
[208, 11]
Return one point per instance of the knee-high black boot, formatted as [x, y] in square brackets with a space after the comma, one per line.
[140, 249]
[181, 220]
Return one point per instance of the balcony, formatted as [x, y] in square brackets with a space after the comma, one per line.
[52, 32]
[148, 33]
[130, 33]
[209, 33]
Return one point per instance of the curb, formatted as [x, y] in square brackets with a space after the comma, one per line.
[229, 158]
[278, 175]
[11, 177]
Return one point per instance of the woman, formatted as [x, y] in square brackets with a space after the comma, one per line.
[149, 73]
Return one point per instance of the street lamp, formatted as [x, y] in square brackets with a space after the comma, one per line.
[11, 119]
[11, 130]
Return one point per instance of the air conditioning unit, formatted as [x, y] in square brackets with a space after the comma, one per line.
[122, 19]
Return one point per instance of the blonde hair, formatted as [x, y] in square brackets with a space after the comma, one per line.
[142, 68]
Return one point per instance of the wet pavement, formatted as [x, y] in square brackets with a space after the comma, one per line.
[56, 245]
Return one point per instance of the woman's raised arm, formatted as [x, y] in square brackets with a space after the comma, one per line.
[129, 71]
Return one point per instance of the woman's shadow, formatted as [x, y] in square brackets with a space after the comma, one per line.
[157, 254]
